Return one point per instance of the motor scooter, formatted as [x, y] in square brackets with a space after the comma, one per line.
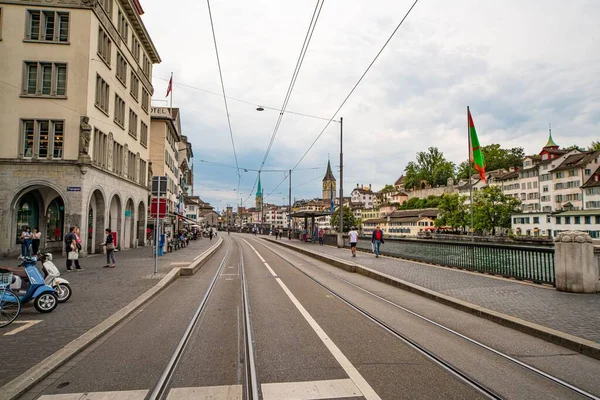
[52, 277]
[29, 286]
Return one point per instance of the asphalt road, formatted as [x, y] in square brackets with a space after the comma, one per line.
[308, 343]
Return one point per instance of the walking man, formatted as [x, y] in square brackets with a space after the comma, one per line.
[377, 240]
[353, 236]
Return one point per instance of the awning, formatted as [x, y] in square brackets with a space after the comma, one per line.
[309, 214]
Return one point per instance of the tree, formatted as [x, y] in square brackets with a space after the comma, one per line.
[595, 146]
[431, 167]
[492, 209]
[495, 158]
[453, 211]
[349, 220]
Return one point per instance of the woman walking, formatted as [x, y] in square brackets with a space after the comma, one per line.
[35, 240]
[110, 250]
[72, 249]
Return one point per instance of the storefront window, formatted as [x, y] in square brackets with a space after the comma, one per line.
[55, 219]
[27, 215]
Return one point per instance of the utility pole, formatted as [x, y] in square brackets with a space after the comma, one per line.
[341, 224]
[290, 205]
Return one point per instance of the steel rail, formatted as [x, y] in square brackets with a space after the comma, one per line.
[251, 382]
[522, 364]
[161, 388]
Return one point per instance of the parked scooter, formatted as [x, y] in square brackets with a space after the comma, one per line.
[52, 277]
[29, 285]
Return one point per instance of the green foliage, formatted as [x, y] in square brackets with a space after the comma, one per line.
[453, 211]
[416, 203]
[388, 189]
[575, 147]
[431, 167]
[492, 209]
[495, 158]
[349, 220]
[595, 146]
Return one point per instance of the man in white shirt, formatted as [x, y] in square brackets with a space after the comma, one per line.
[353, 236]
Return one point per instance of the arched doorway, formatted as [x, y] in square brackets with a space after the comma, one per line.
[141, 224]
[114, 218]
[96, 221]
[129, 230]
[42, 207]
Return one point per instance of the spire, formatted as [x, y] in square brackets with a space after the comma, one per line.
[550, 141]
[259, 188]
[329, 175]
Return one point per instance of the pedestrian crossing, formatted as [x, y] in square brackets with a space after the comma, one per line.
[327, 389]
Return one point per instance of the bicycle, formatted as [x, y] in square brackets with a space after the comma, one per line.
[10, 305]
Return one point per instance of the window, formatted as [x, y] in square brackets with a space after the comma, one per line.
[47, 26]
[135, 86]
[117, 158]
[548, 219]
[588, 220]
[121, 69]
[592, 204]
[100, 151]
[523, 186]
[560, 175]
[119, 111]
[123, 27]
[0, 23]
[102, 93]
[45, 79]
[145, 100]
[131, 167]
[545, 189]
[144, 135]
[147, 66]
[598, 219]
[535, 184]
[104, 46]
[136, 48]
[133, 120]
[42, 138]
[536, 220]
[578, 220]
[106, 6]
[588, 172]
[572, 172]
[142, 177]
[567, 220]
[558, 220]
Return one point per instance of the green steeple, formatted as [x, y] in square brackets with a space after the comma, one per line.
[550, 141]
[259, 189]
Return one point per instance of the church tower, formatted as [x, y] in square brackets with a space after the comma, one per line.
[328, 184]
[259, 195]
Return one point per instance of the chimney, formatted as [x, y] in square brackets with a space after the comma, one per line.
[369, 186]
[357, 185]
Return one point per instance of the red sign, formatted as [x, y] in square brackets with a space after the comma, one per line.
[162, 208]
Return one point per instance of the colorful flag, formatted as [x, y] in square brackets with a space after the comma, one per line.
[476, 156]
[332, 203]
[170, 86]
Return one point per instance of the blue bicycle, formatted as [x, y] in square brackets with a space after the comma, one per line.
[10, 304]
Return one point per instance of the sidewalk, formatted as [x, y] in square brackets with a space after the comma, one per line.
[575, 314]
[97, 293]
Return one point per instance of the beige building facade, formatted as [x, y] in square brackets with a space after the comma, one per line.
[74, 120]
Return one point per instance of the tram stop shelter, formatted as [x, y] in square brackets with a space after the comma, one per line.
[312, 215]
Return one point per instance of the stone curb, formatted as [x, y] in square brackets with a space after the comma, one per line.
[204, 257]
[19, 385]
[571, 342]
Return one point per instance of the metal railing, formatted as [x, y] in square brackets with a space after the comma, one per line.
[521, 262]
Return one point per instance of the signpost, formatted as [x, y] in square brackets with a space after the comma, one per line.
[158, 209]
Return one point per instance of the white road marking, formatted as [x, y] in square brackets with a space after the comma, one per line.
[364, 387]
[124, 395]
[270, 269]
[26, 324]
[332, 389]
[233, 392]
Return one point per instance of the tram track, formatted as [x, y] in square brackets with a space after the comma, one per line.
[461, 375]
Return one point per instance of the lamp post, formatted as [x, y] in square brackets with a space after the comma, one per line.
[340, 238]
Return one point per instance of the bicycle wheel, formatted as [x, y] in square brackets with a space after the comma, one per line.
[10, 307]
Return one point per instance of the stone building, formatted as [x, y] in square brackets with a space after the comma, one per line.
[329, 184]
[74, 118]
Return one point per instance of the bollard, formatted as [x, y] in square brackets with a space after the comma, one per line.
[575, 264]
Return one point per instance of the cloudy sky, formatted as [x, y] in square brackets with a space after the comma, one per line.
[519, 64]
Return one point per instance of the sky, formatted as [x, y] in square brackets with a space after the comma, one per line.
[518, 64]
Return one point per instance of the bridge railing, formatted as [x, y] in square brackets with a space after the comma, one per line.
[521, 262]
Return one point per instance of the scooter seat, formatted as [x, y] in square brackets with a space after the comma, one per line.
[15, 271]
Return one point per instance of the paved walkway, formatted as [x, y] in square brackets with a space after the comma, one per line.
[575, 314]
[97, 293]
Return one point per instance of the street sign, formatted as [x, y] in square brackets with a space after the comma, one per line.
[163, 185]
[73, 188]
[128, 213]
[162, 208]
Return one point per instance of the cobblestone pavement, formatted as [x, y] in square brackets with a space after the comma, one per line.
[576, 314]
[97, 293]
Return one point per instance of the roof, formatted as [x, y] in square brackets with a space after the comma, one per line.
[555, 151]
[422, 212]
[572, 161]
[329, 175]
[550, 141]
[509, 175]
[363, 190]
[259, 188]
[578, 212]
[375, 221]
[309, 214]
[399, 181]
[592, 182]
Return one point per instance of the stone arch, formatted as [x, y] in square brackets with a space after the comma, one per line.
[95, 222]
[115, 213]
[141, 221]
[42, 205]
[129, 226]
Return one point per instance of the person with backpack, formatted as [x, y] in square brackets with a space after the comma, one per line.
[377, 240]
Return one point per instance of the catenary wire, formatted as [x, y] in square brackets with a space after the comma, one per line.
[357, 83]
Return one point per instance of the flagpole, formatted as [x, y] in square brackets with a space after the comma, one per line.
[171, 104]
[470, 175]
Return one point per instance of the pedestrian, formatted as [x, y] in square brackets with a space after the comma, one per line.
[72, 250]
[353, 237]
[110, 250]
[35, 240]
[377, 240]
[321, 234]
[25, 241]
[210, 233]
